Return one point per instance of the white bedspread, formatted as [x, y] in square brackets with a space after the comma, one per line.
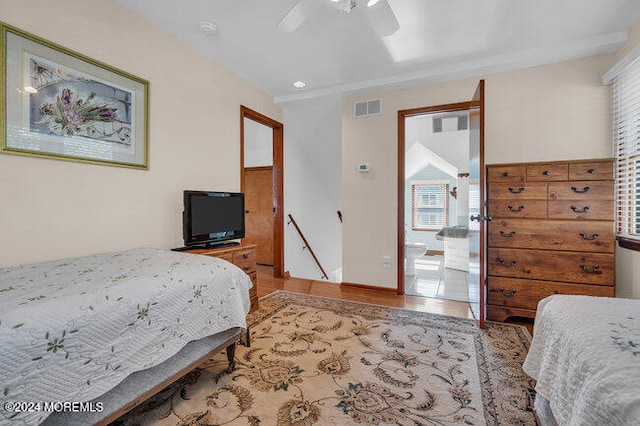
[585, 357]
[71, 330]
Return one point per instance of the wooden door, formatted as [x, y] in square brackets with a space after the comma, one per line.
[258, 200]
[477, 222]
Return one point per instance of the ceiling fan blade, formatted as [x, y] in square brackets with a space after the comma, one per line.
[383, 19]
[297, 15]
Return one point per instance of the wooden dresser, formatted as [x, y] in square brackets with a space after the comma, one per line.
[552, 232]
[244, 257]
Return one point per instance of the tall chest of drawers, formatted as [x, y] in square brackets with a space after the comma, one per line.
[552, 232]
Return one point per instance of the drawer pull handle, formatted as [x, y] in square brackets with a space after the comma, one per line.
[580, 191]
[591, 171]
[514, 191]
[508, 265]
[519, 209]
[594, 270]
[584, 209]
[246, 255]
[594, 236]
[509, 235]
[505, 174]
[546, 173]
[508, 293]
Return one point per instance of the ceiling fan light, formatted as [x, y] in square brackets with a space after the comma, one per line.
[209, 27]
[371, 3]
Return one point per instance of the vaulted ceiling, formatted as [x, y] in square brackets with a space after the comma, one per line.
[346, 46]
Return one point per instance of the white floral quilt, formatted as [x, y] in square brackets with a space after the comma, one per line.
[585, 357]
[71, 330]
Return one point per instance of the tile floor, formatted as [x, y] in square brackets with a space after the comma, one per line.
[432, 279]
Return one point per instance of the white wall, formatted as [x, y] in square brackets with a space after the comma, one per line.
[258, 144]
[312, 172]
[53, 209]
[552, 112]
[452, 146]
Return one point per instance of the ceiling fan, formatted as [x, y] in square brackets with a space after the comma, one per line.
[378, 12]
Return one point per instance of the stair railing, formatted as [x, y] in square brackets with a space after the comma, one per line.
[307, 246]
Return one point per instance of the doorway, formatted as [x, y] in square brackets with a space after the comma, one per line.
[261, 176]
[436, 203]
[430, 177]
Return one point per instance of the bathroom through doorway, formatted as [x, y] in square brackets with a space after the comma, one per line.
[436, 203]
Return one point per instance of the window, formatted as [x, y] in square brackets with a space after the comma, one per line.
[626, 137]
[430, 206]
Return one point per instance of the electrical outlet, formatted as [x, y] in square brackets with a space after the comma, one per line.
[386, 261]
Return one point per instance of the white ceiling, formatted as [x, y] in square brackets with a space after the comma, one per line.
[337, 52]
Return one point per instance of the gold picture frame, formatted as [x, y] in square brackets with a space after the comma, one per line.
[58, 103]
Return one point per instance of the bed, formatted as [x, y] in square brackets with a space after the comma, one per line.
[585, 358]
[108, 328]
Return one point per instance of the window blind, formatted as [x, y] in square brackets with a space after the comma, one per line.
[474, 205]
[626, 137]
[430, 206]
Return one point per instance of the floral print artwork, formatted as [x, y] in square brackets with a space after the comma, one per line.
[66, 103]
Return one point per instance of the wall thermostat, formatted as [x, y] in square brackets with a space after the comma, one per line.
[364, 168]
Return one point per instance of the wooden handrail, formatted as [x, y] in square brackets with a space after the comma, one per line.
[306, 245]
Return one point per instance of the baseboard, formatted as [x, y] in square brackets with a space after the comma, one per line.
[369, 287]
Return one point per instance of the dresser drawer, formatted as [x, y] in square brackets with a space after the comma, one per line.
[518, 208]
[228, 257]
[253, 291]
[583, 190]
[548, 265]
[506, 173]
[245, 260]
[526, 294]
[508, 191]
[591, 236]
[596, 170]
[547, 172]
[581, 209]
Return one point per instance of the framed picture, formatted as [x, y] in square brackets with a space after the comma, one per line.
[57, 103]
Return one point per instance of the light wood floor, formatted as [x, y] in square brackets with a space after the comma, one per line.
[267, 284]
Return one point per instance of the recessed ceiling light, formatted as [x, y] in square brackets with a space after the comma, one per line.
[299, 84]
[208, 27]
[371, 3]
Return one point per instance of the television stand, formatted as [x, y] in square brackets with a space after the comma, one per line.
[207, 246]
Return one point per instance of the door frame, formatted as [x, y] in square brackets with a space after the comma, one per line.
[278, 181]
[402, 116]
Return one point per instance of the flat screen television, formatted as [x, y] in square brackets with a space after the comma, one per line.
[212, 218]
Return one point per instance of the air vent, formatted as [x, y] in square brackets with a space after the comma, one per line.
[367, 108]
[449, 123]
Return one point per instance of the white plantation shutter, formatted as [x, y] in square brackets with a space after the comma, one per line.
[626, 137]
[430, 206]
[474, 204]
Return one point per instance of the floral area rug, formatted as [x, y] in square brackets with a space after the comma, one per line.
[318, 361]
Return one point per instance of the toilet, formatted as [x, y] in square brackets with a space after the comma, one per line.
[412, 251]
